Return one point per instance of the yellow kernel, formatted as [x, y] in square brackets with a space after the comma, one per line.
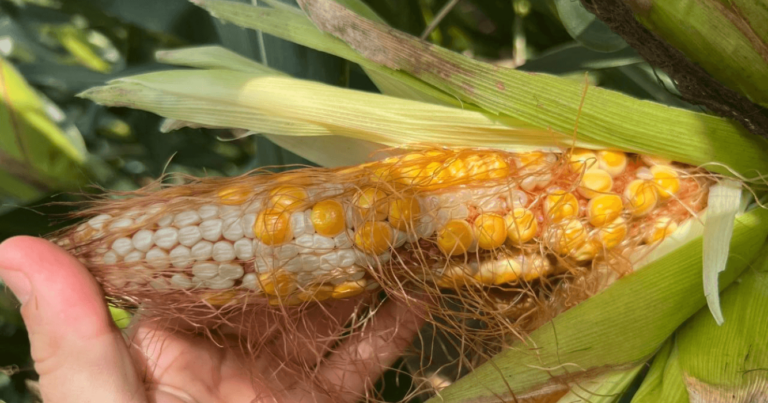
[586, 252]
[613, 234]
[374, 237]
[316, 292]
[666, 180]
[273, 226]
[491, 230]
[328, 218]
[521, 225]
[291, 300]
[641, 196]
[604, 208]
[349, 289]
[371, 201]
[491, 166]
[535, 266]
[403, 212]
[220, 298]
[581, 160]
[455, 238]
[594, 183]
[287, 197]
[277, 284]
[531, 159]
[613, 162]
[417, 174]
[567, 236]
[662, 228]
[560, 205]
[497, 272]
[233, 196]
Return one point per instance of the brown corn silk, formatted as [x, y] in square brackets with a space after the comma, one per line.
[489, 244]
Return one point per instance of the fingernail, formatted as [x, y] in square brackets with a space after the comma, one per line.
[18, 283]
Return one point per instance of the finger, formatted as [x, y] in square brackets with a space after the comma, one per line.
[359, 361]
[78, 352]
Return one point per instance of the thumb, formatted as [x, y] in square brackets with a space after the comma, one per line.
[78, 352]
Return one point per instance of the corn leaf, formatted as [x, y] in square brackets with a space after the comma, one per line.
[665, 378]
[616, 329]
[723, 204]
[607, 118]
[606, 388]
[285, 106]
[213, 57]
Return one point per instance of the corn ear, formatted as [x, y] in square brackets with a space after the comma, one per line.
[607, 330]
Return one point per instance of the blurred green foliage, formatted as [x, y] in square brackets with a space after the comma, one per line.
[61, 47]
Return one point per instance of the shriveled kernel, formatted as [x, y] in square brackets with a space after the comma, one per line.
[595, 182]
[491, 231]
[316, 292]
[287, 197]
[278, 283]
[535, 266]
[560, 205]
[666, 180]
[403, 212]
[374, 237]
[662, 228]
[613, 162]
[220, 298]
[328, 218]
[273, 226]
[371, 201]
[455, 237]
[567, 236]
[603, 209]
[641, 197]
[613, 234]
[521, 226]
[234, 196]
[581, 160]
[349, 289]
[455, 276]
[498, 272]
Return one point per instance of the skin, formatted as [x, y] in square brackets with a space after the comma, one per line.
[81, 356]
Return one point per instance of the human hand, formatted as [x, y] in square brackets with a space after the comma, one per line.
[81, 356]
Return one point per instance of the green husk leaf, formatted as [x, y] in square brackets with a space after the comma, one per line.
[213, 57]
[292, 107]
[607, 118]
[723, 204]
[614, 330]
[584, 27]
[663, 379]
[606, 388]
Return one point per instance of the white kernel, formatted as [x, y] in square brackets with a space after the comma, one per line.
[264, 264]
[205, 271]
[134, 256]
[285, 252]
[244, 249]
[251, 281]
[166, 238]
[343, 240]
[181, 257]
[154, 209]
[97, 222]
[219, 283]
[230, 271]
[202, 250]
[305, 278]
[400, 238]
[247, 222]
[372, 286]
[644, 173]
[423, 229]
[208, 212]
[111, 257]
[121, 223]
[331, 258]
[188, 217]
[165, 221]
[232, 229]
[182, 281]
[309, 262]
[142, 240]
[310, 228]
[254, 206]
[139, 274]
[226, 212]
[293, 265]
[190, 235]
[157, 258]
[223, 251]
[159, 283]
[122, 246]
[117, 281]
[211, 229]
[517, 198]
[299, 224]
[346, 257]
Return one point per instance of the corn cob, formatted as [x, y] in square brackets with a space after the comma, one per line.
[442, 218]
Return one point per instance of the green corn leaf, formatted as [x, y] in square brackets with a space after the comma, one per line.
[606, 388]
[614, 330]
[213, 57]
[607, 118]
[665, 378]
